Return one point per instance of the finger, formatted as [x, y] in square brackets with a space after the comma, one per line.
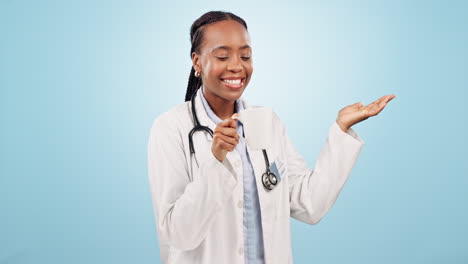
[357, 105]
[385, 98]
[378, 108]
[227, 146]
[389, 98]
[354, 105]
[378, 101]
[228, 122]
[227, 131]
[228, 139]
[222, 142]
[371, 109]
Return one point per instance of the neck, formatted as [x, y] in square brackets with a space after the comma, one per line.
[221, 107]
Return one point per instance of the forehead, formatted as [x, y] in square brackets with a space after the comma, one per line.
[226, 33]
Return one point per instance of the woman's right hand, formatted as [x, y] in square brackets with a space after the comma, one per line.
[225, 138]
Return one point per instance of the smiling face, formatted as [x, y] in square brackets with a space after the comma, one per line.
[224, 61]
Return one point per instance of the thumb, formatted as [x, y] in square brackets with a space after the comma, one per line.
[235, 116]
[357, 104]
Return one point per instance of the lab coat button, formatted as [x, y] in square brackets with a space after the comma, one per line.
[241, 250]
[237, 163]
[239, 204]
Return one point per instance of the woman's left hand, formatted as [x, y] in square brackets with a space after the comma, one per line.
[355, 113]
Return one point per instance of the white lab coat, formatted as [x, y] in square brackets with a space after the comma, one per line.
[199, 208]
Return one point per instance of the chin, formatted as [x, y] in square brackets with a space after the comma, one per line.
[234, 95]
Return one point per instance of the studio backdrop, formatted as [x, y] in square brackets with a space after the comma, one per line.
[82, 81]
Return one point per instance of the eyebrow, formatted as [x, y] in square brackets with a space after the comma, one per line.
[229, 48]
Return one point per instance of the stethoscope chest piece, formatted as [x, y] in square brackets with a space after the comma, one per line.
[269, 180]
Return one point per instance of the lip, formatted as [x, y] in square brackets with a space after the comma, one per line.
[232, 86]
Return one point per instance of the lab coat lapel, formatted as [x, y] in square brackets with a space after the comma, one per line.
[258, 164]
[267, 202]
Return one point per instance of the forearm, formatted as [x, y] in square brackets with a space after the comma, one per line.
[313, 192]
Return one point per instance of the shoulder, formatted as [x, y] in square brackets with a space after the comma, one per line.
[171, 121]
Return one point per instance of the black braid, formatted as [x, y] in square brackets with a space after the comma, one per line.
[196, 38]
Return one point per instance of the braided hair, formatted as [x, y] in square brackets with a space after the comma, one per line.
[196, 38]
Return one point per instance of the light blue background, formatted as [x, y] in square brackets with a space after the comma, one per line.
[82, 81]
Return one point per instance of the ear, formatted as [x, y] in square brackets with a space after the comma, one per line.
[196, 62]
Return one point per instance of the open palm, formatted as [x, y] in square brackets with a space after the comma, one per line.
[355, 113]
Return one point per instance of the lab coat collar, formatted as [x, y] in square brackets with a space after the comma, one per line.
[203, 117]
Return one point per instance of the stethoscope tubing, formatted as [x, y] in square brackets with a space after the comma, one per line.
[269, 179]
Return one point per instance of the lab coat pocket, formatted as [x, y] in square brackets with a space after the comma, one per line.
[281, 189]
[275, 171]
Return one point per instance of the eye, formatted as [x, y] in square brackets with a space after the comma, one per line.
[246, 58]
[222, 58]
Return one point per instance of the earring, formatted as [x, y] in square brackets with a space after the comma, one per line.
[197, 74]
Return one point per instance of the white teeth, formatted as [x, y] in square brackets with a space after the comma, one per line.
[238, 81]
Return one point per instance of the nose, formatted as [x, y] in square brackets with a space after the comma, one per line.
[234, 65]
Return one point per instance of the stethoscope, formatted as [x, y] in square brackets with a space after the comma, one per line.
[269, 179]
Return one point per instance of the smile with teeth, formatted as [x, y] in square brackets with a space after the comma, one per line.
[234, 83]
[238, 81]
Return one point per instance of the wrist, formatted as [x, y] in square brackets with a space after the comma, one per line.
[219, 156]
[343, 127]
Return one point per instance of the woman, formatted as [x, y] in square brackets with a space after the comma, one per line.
[210, 202]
